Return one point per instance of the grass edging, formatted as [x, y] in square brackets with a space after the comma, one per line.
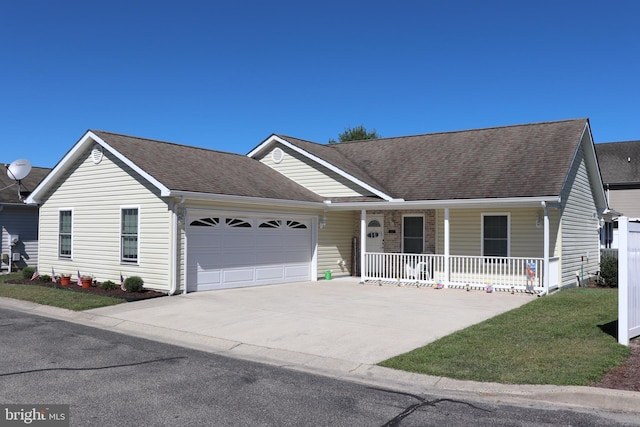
[61, 298]
[561, 339]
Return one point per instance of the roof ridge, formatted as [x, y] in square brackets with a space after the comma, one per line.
[460, 131]
[166, 142]
[632, 141]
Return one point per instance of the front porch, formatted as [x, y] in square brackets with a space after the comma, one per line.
[471, 247]
[456, 271]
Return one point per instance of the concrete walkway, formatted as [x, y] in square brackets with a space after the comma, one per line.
[336, 328]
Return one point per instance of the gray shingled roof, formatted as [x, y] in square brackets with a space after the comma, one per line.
[10, 194]
[528, 160]
[619, 162]
[185, 168]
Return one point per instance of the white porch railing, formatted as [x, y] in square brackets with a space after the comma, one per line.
[507, 273]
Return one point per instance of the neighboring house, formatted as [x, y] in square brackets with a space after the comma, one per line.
[477, 207]
[620, 168]
[18, 221]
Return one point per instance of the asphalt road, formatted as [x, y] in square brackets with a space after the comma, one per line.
[116, 380]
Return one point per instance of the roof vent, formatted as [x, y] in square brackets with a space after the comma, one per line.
[96, 154]
[277, 155]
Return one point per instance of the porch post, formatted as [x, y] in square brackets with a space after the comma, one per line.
[545, 277]
[363, 244]
[447, 276]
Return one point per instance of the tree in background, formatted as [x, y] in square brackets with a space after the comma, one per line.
[355, 134]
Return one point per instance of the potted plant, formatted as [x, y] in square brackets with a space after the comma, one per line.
[87, 281]
[65, 279]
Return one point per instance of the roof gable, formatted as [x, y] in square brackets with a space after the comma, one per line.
[179, 168]
[325, 156]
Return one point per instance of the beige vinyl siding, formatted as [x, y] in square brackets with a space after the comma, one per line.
[579, 224]
[626, 202]
[335, 244]
[465, 227]
[312, 175]
[96, 193]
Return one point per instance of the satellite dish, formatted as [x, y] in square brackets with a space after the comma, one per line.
[19, 169]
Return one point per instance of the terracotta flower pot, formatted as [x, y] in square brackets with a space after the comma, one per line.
[86, 283]
[65, 280]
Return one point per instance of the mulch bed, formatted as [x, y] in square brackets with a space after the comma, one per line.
[627, 375]
[96, 290]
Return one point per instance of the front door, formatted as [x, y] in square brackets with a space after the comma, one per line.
[375, 233]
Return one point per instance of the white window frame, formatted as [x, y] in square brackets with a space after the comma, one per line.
[423, 233]
[486, 214]
[60, 256]
[129, 261]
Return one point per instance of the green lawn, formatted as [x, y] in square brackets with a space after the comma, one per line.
[62, 298]
[561, 339]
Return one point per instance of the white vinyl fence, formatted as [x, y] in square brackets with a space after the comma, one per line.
[628, 280]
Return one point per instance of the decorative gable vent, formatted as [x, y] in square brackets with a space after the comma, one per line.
[277, 155]
[96, 154]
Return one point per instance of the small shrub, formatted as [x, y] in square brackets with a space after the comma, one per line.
[133, 284]
[109, 285]
[44, 278]
[609, 271]
[27, 272]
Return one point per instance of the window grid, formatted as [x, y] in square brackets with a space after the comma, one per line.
[65, 234]
[129, 235]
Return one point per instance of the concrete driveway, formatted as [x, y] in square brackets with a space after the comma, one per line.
[337, 320]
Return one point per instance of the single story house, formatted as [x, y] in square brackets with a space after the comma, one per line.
[18, 221]
[514, 207]
[620, 167]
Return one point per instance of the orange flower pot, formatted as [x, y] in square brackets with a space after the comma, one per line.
[86, 283]
[65, 280]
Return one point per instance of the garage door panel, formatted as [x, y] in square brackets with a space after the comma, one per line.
[238, 241]
[211, 277]
[299, 272]
[238, 276]
[270, 273]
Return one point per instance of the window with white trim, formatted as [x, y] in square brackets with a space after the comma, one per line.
[413, 234]
[129, 234]
[495, 235]
[65, 233]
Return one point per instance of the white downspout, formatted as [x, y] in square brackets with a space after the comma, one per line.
[174, 247]
[545, 277]
[447, 248]
[363, 243]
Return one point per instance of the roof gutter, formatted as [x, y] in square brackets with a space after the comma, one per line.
[245, 199]
[514, 202]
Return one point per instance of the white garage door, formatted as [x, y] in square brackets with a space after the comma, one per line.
[234, 251]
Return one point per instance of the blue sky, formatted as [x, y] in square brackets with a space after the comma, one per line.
[226, 75]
